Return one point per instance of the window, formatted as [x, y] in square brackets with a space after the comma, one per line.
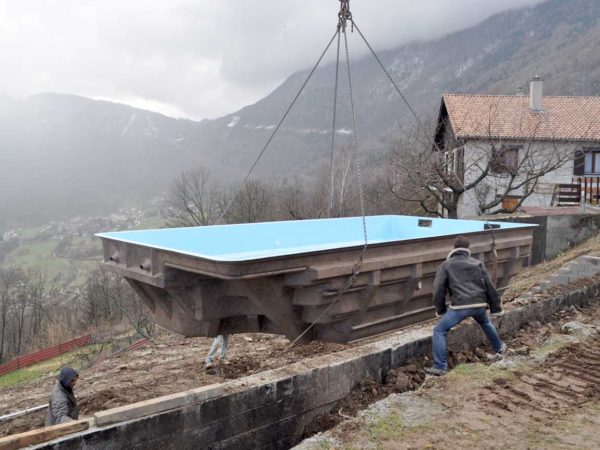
[587, 161]
[592, 162]
[455, 161]
[505, 159]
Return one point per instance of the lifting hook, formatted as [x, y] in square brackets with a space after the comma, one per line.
[344, 15]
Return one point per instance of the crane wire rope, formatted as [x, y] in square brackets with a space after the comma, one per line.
[335, 91]
[356, 268]
[234, 197]
[344, 16]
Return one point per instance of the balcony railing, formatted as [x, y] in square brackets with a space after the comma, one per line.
[590, 188]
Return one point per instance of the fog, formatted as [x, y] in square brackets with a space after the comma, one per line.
[197, 58]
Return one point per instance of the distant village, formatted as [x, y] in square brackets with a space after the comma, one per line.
[79, 226]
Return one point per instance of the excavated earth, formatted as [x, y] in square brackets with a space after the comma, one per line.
[172, 364]
[545, 394]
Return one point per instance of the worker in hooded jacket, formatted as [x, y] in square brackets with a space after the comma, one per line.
[62, 405]
[471, 292]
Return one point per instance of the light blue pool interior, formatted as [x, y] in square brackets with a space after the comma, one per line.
[251, 241]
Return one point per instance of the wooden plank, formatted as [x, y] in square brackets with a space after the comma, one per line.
[40, 435]
[156, 405]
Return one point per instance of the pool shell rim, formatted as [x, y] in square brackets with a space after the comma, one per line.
[350, 248]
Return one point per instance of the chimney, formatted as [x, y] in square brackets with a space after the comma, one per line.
[520, 92]
[535, 94]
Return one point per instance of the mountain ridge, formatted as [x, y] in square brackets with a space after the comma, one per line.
[53, 145]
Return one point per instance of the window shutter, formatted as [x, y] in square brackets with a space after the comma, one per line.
[579, 162]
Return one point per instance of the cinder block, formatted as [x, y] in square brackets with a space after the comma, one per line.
[592, 260]
[560, 279]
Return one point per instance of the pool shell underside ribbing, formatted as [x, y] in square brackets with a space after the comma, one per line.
[279, 277]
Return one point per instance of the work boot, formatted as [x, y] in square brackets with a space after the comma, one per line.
[499, 355]
[435, 371]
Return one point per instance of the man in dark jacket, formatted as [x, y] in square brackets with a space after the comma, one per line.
[62, 406]
[471, 291]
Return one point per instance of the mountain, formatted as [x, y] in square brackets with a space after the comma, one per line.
[62, 154]
[558, 40]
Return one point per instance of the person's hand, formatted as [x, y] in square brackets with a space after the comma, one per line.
[497, 313]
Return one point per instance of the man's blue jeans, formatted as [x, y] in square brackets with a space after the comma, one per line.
[452, 318]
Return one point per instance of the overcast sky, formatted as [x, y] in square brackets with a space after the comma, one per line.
[198, 58]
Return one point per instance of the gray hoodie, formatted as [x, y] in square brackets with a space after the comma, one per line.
[62, 405]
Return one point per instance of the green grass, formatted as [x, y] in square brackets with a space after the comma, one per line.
[40, 256]
[386, 428]
[554, 344]
[74, 358]
[29, 233]
[37, 255]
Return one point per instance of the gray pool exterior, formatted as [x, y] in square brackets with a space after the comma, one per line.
[280, 277]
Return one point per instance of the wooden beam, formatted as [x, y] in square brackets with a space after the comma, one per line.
[157, 405]
[40, 435]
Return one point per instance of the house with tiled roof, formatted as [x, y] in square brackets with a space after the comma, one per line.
[511, 152]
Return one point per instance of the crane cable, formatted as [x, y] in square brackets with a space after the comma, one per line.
[234, 197]
[343, 16]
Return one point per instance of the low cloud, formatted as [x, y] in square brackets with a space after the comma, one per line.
[198, 58]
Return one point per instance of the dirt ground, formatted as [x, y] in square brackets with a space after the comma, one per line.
[173, 363]
[169, 365]
[544, 395]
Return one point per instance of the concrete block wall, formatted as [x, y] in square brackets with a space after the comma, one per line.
[583, 267]
[554, 234]
[270, 410]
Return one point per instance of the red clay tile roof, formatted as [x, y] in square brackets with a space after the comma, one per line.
[509, 117]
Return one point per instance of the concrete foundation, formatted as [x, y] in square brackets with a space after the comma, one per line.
[271, 409]
[555, 233]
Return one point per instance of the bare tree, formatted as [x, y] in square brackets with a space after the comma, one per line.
[109, 299]
[193, 199]
[300, 201]
[9, 280]
[486, 171]
[253, 201]
[25, 296]
[342, 181]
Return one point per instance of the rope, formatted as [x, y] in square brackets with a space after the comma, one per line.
[494, 253]
[277, 127]
[358, 264]
[343, 16]
[387, 74]
[356, 152]
[335, 91]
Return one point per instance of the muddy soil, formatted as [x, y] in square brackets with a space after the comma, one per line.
[171, 364]
[412, 375]
[544, 394]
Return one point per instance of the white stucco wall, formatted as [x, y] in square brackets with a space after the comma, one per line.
[477, 155]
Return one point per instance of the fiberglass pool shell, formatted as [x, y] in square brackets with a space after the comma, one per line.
[278, 277]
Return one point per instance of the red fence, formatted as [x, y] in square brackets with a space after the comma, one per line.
[42, 355]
